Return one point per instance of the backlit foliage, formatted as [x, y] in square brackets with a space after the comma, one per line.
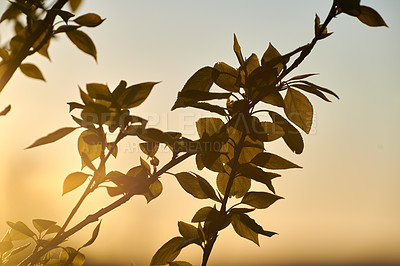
[231, 144]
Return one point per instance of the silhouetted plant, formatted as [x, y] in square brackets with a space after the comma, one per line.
[35, 26]
[231, 146]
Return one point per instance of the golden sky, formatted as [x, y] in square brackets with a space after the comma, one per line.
[343, 207]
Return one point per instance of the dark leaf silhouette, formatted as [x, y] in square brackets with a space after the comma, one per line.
[260, 200]
[89, 20]
[42, 225]
[292, 136]
[272, 161]
[32, 71]
[52, 137]
[94, 236]
[168, 252]
[370, 17]
[6, 110]
[298, 109]
[83, 42]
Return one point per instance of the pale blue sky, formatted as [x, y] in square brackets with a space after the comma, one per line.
[342, 207]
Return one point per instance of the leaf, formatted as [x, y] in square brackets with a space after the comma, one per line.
[52, 137]
[207, 188]
[42, 225]
[32, 71]
[73, 181]
[5, 244]
[292, 136]
[94, 236]
[319, 88]
[6, 110]
[317, 29]
[272, 161]
[251, 223]
[22, 228]
[89, 20]
[270, 54]
[19, 249]
[98, 91]
[252, 63]
[260, 200]
[155, 190]
[209, 126]
[275, 99]
[83, 42]
[202, 214]
[188, 231]
[66, 28]
[243, 230]
[191, 185]
[53, 229]
[88, 145]
[312, 90]
[226, 77]
[74, 4]
[237, 50]
[168, 252]
[240, 185]
[210, 107]
[298, 109]
[303, 76]
[200, 81]
[258, 175]
[135, 95]
[370, 17]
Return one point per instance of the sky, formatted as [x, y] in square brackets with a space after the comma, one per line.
[341, 208]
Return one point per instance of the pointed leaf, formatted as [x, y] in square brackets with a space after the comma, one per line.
[89, 144]
[191, 185]
[188, 231]
[209, 126]
[370, 17]
[42, 225]
[73, 181]
[83, 42]
[89, 20]
[312, 90]
[226, 77]
[210, 107]
[22, 228]
[19, 249]
[243, 230]
[52, 137]
[6, 110]
[298, 109]
[292, 136]
[302, 76]
[202, 214]
[94, 235]
[136, 94]
[31, 71]
[251, 223]
[200, 81]
[260, 200]
[155, 190]
[168, 252]
[272, 161]
[237, 50]
[74, 4]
